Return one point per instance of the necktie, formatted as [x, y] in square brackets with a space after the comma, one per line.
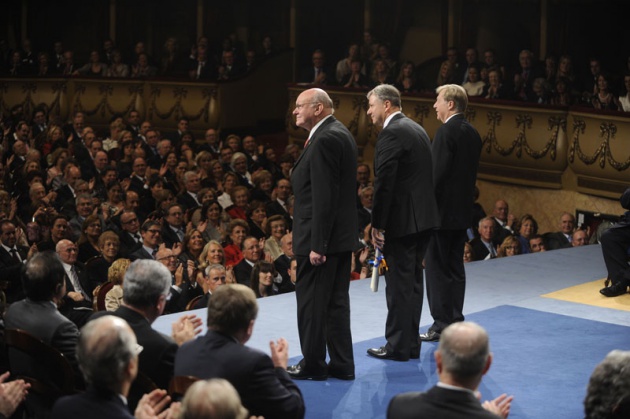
[15, 256]
[154, 253]
[74, 278]
[307, 141]
[137, 238]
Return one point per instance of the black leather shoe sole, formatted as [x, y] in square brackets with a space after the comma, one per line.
[296, 373]
[345, 377]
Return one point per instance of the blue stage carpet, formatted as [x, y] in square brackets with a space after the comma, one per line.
[543, 359]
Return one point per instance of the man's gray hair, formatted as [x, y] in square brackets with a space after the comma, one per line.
[320, 96]
[608, 393]
[106, 346]
[188, 174]
[215, 398]
[456, 94]
[145, 281]
[83, 196]
[465, 348]
[386, 92]
[215, 267]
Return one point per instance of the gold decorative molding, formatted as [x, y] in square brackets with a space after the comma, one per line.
[603, 153]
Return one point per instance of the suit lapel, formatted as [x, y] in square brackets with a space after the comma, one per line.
[314, 139]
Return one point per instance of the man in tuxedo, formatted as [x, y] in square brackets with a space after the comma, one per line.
[324, 236]
[12, 257]
[455, 150]
[462, 359]
[192, 185]
[173, 228]
[503, 222]
[130, 238]
[262, 382]
[214, 277]
[151, 238]
[404, 212]
[108, 355]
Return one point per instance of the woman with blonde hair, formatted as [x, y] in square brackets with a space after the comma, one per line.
[510, 247]
[116, 275]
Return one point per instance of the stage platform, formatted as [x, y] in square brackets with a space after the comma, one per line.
[523, 302]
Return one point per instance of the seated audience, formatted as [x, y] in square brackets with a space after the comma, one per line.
[262, 382]
[528, 227]
[252, 253]
[11, 394]
[212, 253]
[503, 222]
[468, 253]
[116, 275]
[463, 357]
[407, 80]
[210, 278]
[262, 279]
[561, 239]
[483, 246]
[237, 231]
[275, 229]
[97, 268]
[579, 238]
[511, 246]
[537, 243]
[624, 100]
[474, 85]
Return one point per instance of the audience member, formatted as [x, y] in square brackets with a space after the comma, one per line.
[483, 246]
[537, 243]
[252, 252]
[579, 238]
[214, 398]
[528, 227]
[608, 392]
[463, 357]
[262, 382]
[510, 246]
[561, 239]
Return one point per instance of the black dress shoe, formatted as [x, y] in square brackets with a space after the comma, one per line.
[340, 375]
[615, 290]
[381, 353]
[430, 336]
[297, 373]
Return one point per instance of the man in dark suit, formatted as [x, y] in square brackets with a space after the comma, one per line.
[214, 277]
[145, 290]
[318, 72]
[173, 228]
[615, 244]
[77, 302]
[12, 257]
[108, 354]
[45, 287]
[404, 212]
[455, 150]
[280, 205]
[262, 382]
[482, 246]
[324, 236]
[151, 239]
[251, 254]
[130, 238]
[462, 359]
[561, 239]
[192, 185]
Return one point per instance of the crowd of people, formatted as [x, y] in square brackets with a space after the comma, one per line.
[202, 61]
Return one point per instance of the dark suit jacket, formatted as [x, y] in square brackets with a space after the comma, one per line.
[480, 251]
[437, 403]
[187, 201]
[282, 264]
[95, 404]
[324, 181]
[243, 272]
[11, 272]
[140, 254]
[157, 358]
[42, 320]
[264, 390]
[169, 237]
[274, 207]
[127, 244]
[455, 151]
[404, 202]
[556, 240]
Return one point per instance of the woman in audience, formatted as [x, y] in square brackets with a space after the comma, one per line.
[494, 89]
[50, 140]
[117, 69]
[604, 98]
[355, 78]
[469, 256]
[474, 85]
[114, 203]
[230, 181]
[142, 68]
[239, 166]
[446, 74]
[510, 247]
[116, 275]
[124, 165]
[237, 231]
[528, 228]
[215, 177]
[94, 68]
[263, 186]
[407, 81]
[212, 253]
[624, 100]
[562, 95]
[256, 219]
[203, 162]
[97, 267]
[192, 246]
[263, 274]
[240, 197]
[344, 65]
[380, 73]
[88, 241]
[216, 227]
[56, 159]
[276, 228]
[565, 71]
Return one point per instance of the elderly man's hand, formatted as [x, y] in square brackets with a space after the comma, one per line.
[186, 328]
[279, 353]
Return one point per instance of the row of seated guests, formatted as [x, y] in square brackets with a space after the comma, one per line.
[501, 235]
[112, 348]
[201, 62]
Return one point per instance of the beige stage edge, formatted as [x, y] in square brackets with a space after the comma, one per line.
[589, 294]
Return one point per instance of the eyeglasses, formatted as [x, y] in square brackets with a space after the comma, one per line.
[133, 220]
[154, 231]
[71, 250]
[218, 278]
[171, 257]
[299, 106]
